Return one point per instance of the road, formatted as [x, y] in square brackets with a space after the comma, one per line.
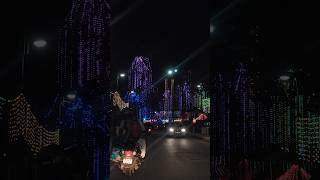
[170, 158]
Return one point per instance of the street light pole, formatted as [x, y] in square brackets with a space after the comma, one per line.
[117, 82]
[172, 98]
[26, 51]
[25, 54]
[170, 73]
[122, 75]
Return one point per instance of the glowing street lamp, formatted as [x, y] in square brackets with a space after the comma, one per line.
[71, 95]
[198, 86]
[284, 77]
[171, 73]
[121, 75]
[40, 43]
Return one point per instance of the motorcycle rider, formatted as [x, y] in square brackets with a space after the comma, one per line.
[128, 131]
[134, 130]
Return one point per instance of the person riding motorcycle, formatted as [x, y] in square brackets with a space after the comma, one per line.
[130, 132]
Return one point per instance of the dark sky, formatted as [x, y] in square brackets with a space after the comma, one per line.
[166, 31]
[31, 20]
[288, 37]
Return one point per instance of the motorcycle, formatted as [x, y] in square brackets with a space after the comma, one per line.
[130, 162]
[128, 158]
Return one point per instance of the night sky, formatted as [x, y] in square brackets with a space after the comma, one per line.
[31, 20]
[288, 37]
[166, 31]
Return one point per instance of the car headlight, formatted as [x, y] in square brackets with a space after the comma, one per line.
[183, 130]
[171, 129]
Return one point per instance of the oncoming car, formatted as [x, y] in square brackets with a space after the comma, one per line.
[177, 129]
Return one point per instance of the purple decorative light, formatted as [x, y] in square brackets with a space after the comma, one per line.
[140, 81]
[83, 44]
[83, 59]
[140, 74]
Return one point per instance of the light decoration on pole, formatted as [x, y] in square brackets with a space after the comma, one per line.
[308, 138]
[23, 123]
[83, 44]
[140, 81]
[83, 58]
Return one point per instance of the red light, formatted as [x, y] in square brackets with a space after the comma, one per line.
[128, 153]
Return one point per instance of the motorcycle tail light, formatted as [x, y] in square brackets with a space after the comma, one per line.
[128, 153]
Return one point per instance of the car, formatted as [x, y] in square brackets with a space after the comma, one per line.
[177, 129]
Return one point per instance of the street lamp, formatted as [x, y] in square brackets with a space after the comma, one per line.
[39, 43]
[70, 96]
[200, 95]
[121, 75]
[284, 77]
[171, 73]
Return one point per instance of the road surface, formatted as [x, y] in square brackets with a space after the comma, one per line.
[170, 158]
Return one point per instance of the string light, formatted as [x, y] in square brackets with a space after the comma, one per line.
[140, 81]
[117, 101]
[23, 123]
[83, 59]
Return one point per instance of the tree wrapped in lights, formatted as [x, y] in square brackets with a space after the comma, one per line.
[23, 123]
[83, 50]
[83, 59]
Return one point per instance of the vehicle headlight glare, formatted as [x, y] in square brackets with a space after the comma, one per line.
[171, 129]
[183, 130]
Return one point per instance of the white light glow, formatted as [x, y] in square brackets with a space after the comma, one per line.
[40, 43]
[284, 78]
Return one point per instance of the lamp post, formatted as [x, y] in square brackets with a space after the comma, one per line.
[39, 43]
[171, 73]
[121, 75]
[200, 90]
[67, 97]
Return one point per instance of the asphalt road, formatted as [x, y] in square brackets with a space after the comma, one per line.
[170, 158]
